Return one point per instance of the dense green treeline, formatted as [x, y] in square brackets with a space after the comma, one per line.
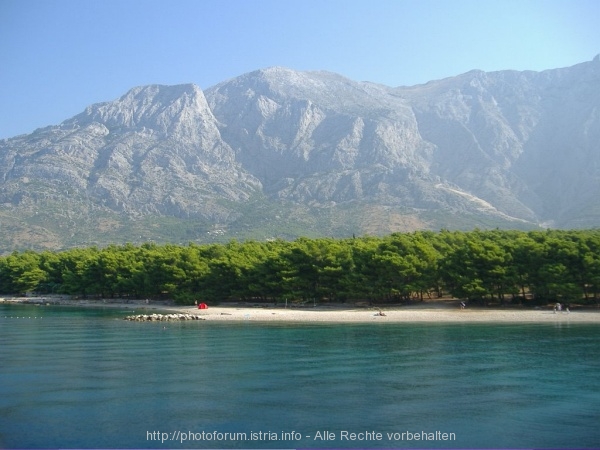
[483, 266]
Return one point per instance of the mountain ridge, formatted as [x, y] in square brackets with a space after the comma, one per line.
[314, 153]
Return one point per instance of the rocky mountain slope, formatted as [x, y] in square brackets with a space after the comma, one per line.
[281, 153]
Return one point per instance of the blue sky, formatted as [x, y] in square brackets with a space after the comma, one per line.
[59, 56]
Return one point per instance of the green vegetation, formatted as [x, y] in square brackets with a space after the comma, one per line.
[494, 266]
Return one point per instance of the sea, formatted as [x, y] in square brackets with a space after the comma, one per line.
[86, 378]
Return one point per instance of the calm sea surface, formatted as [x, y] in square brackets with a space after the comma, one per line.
[86, 378]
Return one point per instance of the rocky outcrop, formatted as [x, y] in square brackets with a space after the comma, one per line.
[162, 317]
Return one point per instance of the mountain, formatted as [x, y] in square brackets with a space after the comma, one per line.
[282, 153]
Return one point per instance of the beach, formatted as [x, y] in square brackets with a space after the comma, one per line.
[395, 315]
[427, 311]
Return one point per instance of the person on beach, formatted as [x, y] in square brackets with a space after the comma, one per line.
[462, 305]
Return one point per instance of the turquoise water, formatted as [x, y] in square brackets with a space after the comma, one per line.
[85, 378]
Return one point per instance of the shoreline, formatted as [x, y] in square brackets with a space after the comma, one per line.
[431, 311]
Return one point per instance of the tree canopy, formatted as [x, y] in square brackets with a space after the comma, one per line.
[481, 266]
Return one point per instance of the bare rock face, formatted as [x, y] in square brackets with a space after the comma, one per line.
[318, 136]
[514, 147]
[526, 142]
[458, 143]
[156, 150]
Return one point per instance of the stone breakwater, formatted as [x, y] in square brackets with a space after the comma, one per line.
[162, 317]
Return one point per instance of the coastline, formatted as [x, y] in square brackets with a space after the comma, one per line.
[430, 311]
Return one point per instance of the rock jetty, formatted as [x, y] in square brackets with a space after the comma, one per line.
[162, 317]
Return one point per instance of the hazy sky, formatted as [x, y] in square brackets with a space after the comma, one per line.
[59, 56]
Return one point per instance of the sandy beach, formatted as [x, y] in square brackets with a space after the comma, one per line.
[430, 311]
[418, 313]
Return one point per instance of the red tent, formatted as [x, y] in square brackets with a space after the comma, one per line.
[202, 306]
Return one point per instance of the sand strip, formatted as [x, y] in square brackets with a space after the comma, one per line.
[392, 315]
[422, 312]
